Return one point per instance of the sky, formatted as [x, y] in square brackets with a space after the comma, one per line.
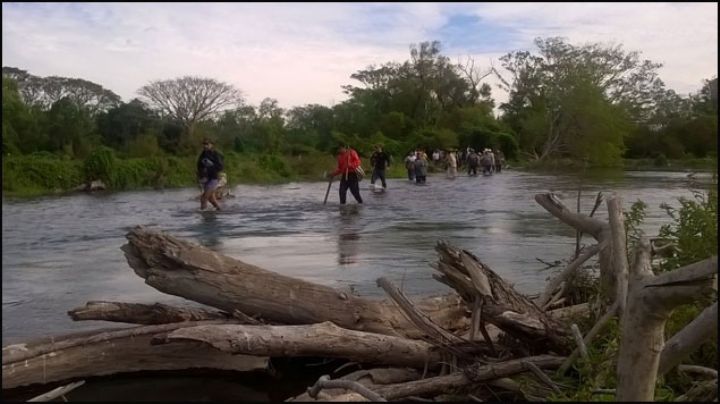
[302, 53]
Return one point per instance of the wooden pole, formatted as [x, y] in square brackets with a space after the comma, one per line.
[328, 191]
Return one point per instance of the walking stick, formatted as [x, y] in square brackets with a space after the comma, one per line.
[328, 191]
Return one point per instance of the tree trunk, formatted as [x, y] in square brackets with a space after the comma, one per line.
[103, 352]
[323, 340]
[185, 269]
[650, 301]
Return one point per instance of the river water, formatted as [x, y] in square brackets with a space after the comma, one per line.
[60, 252]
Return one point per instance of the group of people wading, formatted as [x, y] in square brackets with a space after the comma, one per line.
[212, 179]
[416, 163]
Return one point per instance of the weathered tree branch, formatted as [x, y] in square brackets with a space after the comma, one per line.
[587, 253]
[703, 328]
[478, 373]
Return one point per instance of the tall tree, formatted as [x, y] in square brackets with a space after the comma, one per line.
[189, 100]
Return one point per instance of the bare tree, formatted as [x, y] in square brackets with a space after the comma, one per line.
[191, 99]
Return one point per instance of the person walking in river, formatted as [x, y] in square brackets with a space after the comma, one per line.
[499, 160]
[209, 166]
[472, 163]
[379, 161]
[348, 163]
[451, 164]
[487, 162]
[421, 163]
[410, 165]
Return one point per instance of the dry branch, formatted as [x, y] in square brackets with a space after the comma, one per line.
[474, 374]
[703, 328]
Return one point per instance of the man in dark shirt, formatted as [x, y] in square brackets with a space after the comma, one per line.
[209, 165]
[380, 161]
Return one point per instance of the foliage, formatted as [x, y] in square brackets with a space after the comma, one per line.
[694, 228]
[101, 165]
[577, 101]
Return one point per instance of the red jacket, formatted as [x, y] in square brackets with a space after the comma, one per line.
[347, 162]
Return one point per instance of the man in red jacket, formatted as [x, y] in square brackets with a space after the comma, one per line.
[348, 161]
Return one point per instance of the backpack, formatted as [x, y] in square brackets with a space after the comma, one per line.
[360, 173]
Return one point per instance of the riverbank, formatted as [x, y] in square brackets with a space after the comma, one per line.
[46, 174]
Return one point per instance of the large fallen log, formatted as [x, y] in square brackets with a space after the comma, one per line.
[104, 352]
[194, 272]
[322, 340]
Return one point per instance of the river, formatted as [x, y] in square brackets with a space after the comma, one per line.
[60, 252]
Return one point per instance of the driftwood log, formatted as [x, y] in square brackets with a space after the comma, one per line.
[185, 269]
[138, 313]
[324, 340]
[103, 352]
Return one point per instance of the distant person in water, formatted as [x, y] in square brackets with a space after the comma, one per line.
[472, 163]
[487, 162]
[348, 162]
[379, 161]
[499, 160]
[421, 163]
[209, 166]
[410, 165]
[451, 159]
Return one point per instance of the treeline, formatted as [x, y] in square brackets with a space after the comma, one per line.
[588, 103]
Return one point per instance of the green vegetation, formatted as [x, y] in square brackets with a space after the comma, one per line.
[569, 106]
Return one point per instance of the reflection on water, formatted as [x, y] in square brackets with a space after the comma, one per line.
[348, 234]
[60, 252]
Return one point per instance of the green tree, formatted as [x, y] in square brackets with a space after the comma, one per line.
[121, 125]
[71, 129]
[563, 98]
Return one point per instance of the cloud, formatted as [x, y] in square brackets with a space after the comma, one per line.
[303, 53]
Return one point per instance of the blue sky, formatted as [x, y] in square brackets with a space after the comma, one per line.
[301, 53]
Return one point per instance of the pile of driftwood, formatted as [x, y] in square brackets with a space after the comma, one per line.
[481, 336]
